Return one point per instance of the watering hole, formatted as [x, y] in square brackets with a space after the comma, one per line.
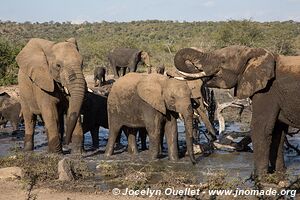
[236, 165]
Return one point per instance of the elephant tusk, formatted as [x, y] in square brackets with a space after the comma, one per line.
[196, 114]
[180, 116]
[195, 75]
[206, 104]
[179, 78]
[89, 90]
[66, 90]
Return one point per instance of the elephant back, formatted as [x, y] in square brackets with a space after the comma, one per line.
[124, 56]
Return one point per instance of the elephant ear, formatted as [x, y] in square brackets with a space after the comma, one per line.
[150, 90]
[259, 70]
[195, 87]
[33, 62]
[73, 41]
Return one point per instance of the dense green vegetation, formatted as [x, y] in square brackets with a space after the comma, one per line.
[160, 38]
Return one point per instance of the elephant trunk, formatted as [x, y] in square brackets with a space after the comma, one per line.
[188, 122]
[76, 89]
[209, 126]
[191, 55]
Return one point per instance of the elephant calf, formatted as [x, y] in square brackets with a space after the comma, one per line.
[11, 113]
[94, 111]
[99, 74]
[152, 101]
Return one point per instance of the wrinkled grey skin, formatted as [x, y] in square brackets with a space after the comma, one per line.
[45, 67]
[126, 58]
[99, 74]
[152, 101]
[11, 113]
[271, 81]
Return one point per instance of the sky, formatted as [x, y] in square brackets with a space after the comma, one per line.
[78, 11]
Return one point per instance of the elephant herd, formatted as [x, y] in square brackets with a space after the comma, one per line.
[52, 84]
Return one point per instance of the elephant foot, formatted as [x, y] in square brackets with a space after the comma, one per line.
[173, 158]
[107, 154]
[55, 150]
[76, 149]
[28, 146]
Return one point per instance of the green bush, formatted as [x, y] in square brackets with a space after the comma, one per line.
[162, 39]
[8, 65]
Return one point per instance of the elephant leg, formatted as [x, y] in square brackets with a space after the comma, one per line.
[95, 137]
[124, 71]
[154, 141]
[61, 126]
[29, 120]
[276, 150]
[172, 138]
[264, 117]
[15, 125]
[50, 117]
[77, 137]
[114, 131]
[131, 136]
[115, 70]
[143, 137]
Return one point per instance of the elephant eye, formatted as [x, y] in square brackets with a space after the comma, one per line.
[58, 66]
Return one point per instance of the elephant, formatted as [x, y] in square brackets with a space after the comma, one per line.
[51, 83]
[99, 74]
[127, 58]
[4, 99]
[160, 69]
[11, 113]
[152, 101]
[271, 81]
[94, 111]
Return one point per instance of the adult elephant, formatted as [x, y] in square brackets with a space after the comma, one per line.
[123, 58]
[47, 70]
[152, 101]
[271, 81]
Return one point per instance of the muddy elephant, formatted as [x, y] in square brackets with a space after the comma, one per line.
[271, 81]
[127, 58]
[11, 113]
[99, 75]
[152, 101]
[51, 82]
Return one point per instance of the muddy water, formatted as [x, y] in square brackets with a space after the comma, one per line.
[236, 164]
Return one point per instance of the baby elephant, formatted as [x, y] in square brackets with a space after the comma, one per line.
[99, 74]
[152, 101]
[11, 113]
[94, 111]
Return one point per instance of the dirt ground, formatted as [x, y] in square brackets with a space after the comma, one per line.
[13, 190]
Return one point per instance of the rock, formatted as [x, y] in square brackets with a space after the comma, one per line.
[10, 173]
[283, 184]
[65, 170]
